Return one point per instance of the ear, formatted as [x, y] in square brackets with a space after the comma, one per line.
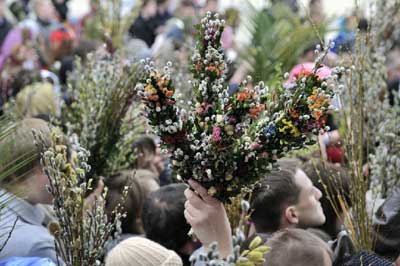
[291, 215]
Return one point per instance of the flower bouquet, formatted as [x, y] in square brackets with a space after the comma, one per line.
[228, 142]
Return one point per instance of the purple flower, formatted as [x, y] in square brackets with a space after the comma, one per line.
[216, 135]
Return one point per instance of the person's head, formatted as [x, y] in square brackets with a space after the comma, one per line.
[297, 247]
[149, 9]
[141, 251]
[141, 183]
[212, 6]
[186, 9]
[286, 198]
[36, 100]
[44, 9]
[334, 179]
[163, 218]
[20, 162]
[148, 156]
[62, 43]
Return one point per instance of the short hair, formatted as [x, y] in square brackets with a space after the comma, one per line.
[163, 218]
[139, 183]
[334, 179]
[295, 247]
[145, 143]
[269, 198]
[142, 144]
[19, 153]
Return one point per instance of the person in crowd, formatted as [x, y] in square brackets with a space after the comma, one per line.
[5, 25]
[149, 157]
[145, 26]
[164, 222]
[386, 227]
[344, 41]
[286, 199]
[44, 21]
[24, 188]
[141, 251]
[140, 182]
[316, 9]
[21, 261]
[61, 43]
[29, 237]
[297, 247]
[37, 100]
[393, 75]
[211, 5]
[61, 6]
[331, 180]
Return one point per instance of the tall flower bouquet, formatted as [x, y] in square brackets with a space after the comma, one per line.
[229, 142]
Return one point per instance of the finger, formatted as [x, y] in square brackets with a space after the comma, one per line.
[192, 210]
[99, 188]
[194, 199]
[202, 191]
[189, 218]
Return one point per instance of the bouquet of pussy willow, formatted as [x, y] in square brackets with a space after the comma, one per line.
[227, 142]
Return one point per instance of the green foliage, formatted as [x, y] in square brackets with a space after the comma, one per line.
[108, 23]
[103, 113]
[279, 37]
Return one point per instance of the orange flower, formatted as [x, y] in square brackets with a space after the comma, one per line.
[160, 82]
[211, 68]
[305, 72]
[153, 97]
[293, 113]
[256, 110]
[313, 97]
[243, 96]
[169, 93]
[317, 114]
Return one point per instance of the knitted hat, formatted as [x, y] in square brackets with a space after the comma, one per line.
[139, 251]
[19, 153]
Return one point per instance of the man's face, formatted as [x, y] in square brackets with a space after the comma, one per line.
[308, 207]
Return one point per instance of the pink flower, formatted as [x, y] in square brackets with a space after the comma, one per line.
[305, 69]
[216, 135]
[255, 146]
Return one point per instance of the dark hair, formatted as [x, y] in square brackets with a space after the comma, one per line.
[131, 204]
[163, 218]
[269, 199]
[334, 179]
[295, 247]
[139, 182]
[145, 143]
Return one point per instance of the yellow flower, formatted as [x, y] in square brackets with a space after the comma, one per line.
[288, 125]
[212, 191]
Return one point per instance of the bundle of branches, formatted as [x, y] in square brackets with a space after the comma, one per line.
[109, 22]
[279, 37]
[382, 124]
[365, 111]
[228, 143]
[104, 114]
[82, 229]
[7, 126]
